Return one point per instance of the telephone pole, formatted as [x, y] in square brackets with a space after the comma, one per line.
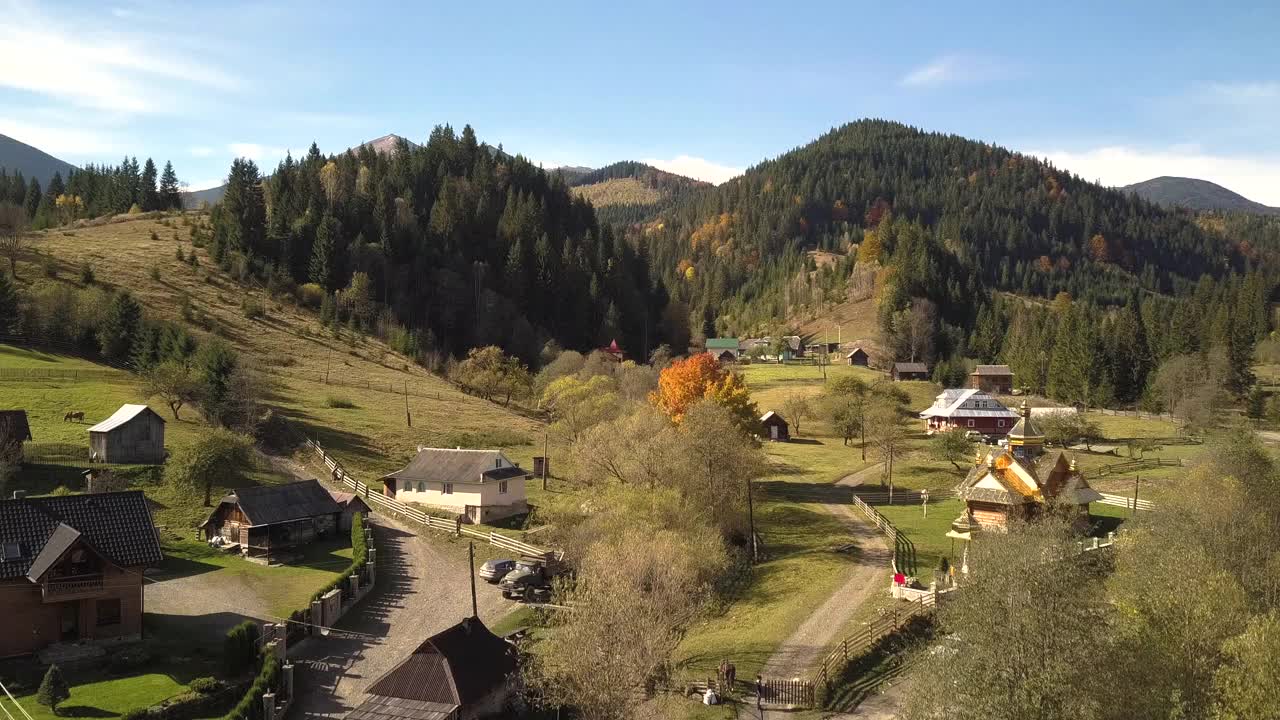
[471, 555]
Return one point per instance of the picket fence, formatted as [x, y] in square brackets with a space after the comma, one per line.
[1127, 502]
[376, 499]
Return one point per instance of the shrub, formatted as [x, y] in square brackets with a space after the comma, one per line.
[341, 403]
[311, 295]
[135, 209]
[135, 714]
[240, 648]
[252, 309]
[86, 274]
[205, 685]
[250, 705]
[50, 268]
[53, 689]
[177, 253]
[155, 236]
[126, 660]
[155, 273]
[192, 260]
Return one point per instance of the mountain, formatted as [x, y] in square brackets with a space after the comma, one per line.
[1195, 194]
[385, 145]
[632, 192]
[17, 156]
[571, 173]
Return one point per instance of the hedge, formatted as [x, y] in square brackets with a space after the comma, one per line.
[250, 706]
[359, 558]
[240, 648]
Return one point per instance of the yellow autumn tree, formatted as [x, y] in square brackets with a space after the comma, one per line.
[701, 377]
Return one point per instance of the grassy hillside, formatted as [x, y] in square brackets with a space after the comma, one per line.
[288, 346]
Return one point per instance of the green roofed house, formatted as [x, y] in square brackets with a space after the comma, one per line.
[724, 349]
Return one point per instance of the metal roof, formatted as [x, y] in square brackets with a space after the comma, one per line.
[455, 667]
[270, 504]
[950, 403]
[123, 416]
[116, 525]
[722, 343]
[456, 465]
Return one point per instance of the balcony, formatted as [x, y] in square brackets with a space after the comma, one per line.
[72, 587]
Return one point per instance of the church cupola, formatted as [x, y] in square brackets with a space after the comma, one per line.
[1026, 442]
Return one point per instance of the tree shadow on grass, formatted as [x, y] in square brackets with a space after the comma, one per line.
[174, 568]
[807, 492]
[85, 711]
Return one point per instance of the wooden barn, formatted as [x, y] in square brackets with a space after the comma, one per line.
[909, 371]
[351, 503]
[858, 357]
[992, 379]
[133, 434]
[14, 430]
[271, 522]
[774, 427]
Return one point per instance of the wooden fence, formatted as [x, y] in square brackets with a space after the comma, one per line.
[904, 551]
[1138, 464]
[1126, 502]
[792, 694]
[861, 642]
[376, 499]
[902, 497]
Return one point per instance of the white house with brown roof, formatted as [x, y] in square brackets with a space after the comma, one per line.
[483, 485]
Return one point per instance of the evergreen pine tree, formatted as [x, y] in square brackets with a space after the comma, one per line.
[149, 194]
[33, 199]
[120, 328]
[321, 270]
[8, 304]
[170, 190]
[53, 689]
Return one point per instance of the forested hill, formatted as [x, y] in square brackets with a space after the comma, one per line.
[632, 192]
[974, 215]
[17, 157]
[444, 247]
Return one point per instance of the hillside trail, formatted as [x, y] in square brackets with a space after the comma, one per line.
[804, 649]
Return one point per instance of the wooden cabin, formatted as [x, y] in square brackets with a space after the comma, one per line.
[992, 378]
[351, 504]
[1021, 483]
[271, 523]
[14, 430]
[133, 434]
[774, 427]
[859, 357]
[909, 371]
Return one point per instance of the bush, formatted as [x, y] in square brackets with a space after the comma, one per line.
[240, 648]
[250, 706]
[155, 273]
[135, 209]
[50, 268]
[135, 714]
[205, 685]
[339, 402]
[252, 309]
[154, 235]
[126, 660]
[86, 274]
[177, 253]
[311, 295]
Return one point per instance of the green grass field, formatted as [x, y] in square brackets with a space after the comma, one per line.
[93, 696]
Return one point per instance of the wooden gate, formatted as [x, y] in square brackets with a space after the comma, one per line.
[795, 693]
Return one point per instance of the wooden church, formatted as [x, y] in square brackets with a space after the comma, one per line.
[1020, 483]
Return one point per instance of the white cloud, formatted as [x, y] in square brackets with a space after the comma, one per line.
[94, 67]
[202, 151]
[263, 155]
[951, 70]
[697, 168]
[204, 184]
[1256, 176]
[64, 142]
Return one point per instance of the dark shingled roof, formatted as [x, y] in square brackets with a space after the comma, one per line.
[116, 525]
[388, 708]
[910, 367]
[998, 370]
[13, 424]
[449, 465]
[455, 667]
[270, 504]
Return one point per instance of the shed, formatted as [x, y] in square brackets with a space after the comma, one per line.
[859, 357]
[992, 378]
[775, 427]
[271, 521]
[14, 430]
[724, 349]
[133, 434]
[351, 503]
[909, 371]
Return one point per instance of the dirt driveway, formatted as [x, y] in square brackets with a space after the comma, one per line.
[423, 587]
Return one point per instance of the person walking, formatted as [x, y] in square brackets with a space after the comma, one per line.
[760, 693]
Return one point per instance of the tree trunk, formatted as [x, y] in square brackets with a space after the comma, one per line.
[208, 494]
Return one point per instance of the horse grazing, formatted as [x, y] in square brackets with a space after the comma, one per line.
[77, 416]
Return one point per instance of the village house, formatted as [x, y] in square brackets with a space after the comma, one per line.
[968, 409]
[613, 352]
[858, 357]
[461, 673]
[133, 434]
[774, 427]
[726, 350]
[14, 430]
[1021, 482]
[71, 569]
[351, 505]
[992, 378]
[270, 523]
[909, 371]
[482, 485]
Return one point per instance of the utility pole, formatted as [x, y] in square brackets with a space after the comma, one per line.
[751, 519]
[1135, 495]
[328, 359]
[545, 459]
[408, 419]
[471, 553]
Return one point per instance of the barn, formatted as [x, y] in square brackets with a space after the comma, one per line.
[774, 427]
[351, 504]
[272, 522]
[859, 357]
[909, 371]
[133, 434]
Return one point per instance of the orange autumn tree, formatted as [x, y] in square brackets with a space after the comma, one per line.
[701, 377]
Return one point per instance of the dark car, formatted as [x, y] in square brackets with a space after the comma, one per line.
[529, 581]
[494, 570]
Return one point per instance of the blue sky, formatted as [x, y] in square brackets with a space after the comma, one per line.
[1116, 91]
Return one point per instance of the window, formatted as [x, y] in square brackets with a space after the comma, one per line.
[970, 422]
[447, 489]
[502, 487]
[1001, 422]
[422, 486]
[497, 463]
[109, 612]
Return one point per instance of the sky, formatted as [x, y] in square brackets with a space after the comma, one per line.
[1113, 91]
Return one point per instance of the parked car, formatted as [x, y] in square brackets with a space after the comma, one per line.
[494, 570]
[529, 581]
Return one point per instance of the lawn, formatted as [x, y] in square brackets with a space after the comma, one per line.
[101, 698]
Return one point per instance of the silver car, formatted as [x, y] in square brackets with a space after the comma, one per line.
[494, 570]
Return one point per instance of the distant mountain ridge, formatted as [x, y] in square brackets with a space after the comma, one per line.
[17, 156]
[1195, 194]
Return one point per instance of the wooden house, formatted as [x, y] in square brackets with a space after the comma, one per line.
[133, 434]
[909, 371]
[482, 485]
[1021, 482]
[774, 427]
[14, 430]
[71, 569]
[992, 379]
[726, 350]
[351, 504]
[858, 357]
[462, 673]
[271, 522]
[612, 352]
[968, 409]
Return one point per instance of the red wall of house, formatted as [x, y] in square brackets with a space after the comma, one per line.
[984, 425]
[30, 624]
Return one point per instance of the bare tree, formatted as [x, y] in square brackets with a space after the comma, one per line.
[796, 409]
[887, 435]
[13, 223]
